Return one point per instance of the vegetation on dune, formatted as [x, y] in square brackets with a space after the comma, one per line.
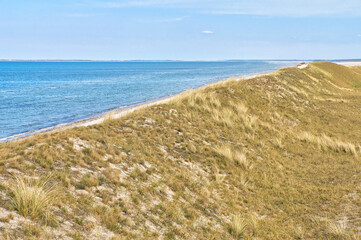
[271, 157]
[33, 197]
[340, 75]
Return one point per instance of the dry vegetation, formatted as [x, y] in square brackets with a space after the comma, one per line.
[32, 197]
[271, 157]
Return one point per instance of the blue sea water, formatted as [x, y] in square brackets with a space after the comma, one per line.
[36, 95]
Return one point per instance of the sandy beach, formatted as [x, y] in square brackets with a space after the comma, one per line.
[121, 112]
[268, 143]
[114, 114]
[349, 63]
[136, 119]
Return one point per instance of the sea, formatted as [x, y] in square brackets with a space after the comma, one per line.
[36, 95]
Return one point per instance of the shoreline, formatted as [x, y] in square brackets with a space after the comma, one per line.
[123, 111]
[349, 64]
[114, 113]
[97, 119]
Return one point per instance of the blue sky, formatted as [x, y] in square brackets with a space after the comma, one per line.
[180, 29]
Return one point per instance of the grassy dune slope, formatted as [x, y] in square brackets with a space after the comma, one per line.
[338, 74]
[272, 157]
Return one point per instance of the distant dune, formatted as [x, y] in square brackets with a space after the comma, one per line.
[350, 63]
[273, 156]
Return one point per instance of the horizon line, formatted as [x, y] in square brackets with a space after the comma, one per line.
[167, 60]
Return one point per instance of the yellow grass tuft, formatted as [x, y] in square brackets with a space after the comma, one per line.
[218, 176]
[249, 121]
[33, 197]
[241, 159]
[238, 226]
[225, 151]
[234, 156]
[223, 116]
[337, 229]
[241, 108]
[243, 180]
[278, 143]
[325, 142]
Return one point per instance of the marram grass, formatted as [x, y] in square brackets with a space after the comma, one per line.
[33, 197]
[276, 156]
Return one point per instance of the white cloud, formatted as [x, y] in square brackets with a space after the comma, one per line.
[359, 35]
[291, 8]
[207, 32]
[288, 8]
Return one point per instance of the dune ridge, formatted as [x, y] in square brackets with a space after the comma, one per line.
[274, 156]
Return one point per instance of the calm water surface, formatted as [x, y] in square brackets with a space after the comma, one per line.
[35, 95]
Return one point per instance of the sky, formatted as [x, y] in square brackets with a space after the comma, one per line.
[180, 29]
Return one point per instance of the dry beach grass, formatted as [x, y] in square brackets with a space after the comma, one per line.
[271, 157]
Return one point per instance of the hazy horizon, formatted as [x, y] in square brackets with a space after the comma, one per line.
[171, 60]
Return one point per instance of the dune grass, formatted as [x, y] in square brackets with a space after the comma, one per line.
[328, 143]
[33, 197]
[271, 157]
[235, 156]
[238, 226]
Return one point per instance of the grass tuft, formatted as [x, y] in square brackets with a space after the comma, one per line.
[325, 142]
[182, 169]
[33, 197]
[337, 229]
[238, 226]
[233, 156]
